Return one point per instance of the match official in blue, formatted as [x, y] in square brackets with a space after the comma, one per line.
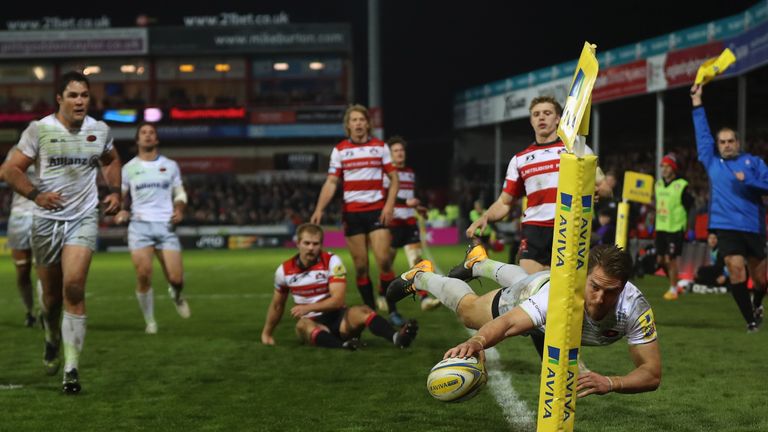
[736, 212]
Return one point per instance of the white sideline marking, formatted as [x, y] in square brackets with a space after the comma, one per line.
[10, 386]
[132, 297]
[515, 410]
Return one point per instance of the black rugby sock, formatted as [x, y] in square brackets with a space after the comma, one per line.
[379, 326]
[741, 295]
[757, 296]
[366, 291]
[322, 338]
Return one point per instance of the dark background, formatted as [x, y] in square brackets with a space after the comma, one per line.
[432, 49]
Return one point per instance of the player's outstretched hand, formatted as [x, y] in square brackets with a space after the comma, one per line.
[593, 383]
[111, 203]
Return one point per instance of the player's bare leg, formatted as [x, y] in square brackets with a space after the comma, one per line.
[75, 263]
[316, 334]
[758, 269]
[22, 259]
[170, 261]
[380, 241]
[358, 249]
[142, 263]
[737, 272]
[532, 266]
[50, 278]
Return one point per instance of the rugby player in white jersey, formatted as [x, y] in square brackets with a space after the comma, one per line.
[360, 162]
[613, 308]
[317, 282]
[19, 232]
[157, 200]
[68, 148]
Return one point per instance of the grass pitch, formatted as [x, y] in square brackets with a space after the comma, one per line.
[211, 373]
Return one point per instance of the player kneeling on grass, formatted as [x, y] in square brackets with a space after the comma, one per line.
[613, 308]
[317, 281]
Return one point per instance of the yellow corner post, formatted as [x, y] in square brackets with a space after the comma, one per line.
[570, 254]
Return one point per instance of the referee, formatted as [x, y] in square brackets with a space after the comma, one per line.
[737, 181]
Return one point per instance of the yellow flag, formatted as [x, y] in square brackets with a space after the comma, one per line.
[577, 104]
[638, 187]
[714, 67]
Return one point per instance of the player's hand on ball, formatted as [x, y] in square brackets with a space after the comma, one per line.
[593, 383]
[466, 349]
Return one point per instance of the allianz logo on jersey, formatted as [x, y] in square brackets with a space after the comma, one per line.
[59, 161]
[153, 185]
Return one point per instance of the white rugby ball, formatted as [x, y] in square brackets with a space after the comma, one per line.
[456, 379]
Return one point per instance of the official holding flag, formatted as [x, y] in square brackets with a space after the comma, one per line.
[736, 212]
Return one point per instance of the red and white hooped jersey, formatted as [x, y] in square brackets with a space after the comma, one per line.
[361, 167]
[404, 215]
[310, 285]
[534, 173]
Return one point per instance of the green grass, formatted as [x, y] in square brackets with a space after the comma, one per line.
[211, 373]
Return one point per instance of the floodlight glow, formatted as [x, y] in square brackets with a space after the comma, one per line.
[39, 73]
[91, 70]
[280, 66]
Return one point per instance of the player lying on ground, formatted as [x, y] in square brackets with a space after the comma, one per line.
[317, 281]
[613, 308]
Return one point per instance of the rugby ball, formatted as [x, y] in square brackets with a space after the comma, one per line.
[456, 379]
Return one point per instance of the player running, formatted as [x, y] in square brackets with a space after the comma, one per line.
[19, 232]
[67, 148]
[157, 200]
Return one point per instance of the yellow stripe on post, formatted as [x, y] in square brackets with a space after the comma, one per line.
[622, 224]
[570, 253]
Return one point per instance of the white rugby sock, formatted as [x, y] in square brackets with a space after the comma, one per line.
[73, 336]
[147, 305]
[449, 291]
[504, 274]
